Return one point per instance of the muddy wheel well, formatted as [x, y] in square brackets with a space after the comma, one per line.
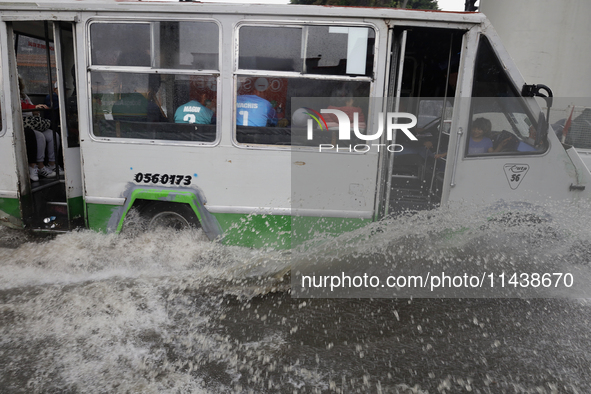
[166, 214]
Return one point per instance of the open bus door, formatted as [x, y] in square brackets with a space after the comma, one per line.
[424, 68]
[66, 54]
[42, 54]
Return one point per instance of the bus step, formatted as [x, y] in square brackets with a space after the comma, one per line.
[410, 205]
[412, 198]
[53, 223]
[407, 183]
[57, 208]
[44, 184]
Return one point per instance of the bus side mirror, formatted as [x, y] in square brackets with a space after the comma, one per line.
[543, 124]
[542, 131]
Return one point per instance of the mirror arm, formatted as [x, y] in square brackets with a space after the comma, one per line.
[534, 91]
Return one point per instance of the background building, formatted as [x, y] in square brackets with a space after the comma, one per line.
[550, 42]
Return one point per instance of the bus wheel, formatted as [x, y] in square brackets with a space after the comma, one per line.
[170, 215]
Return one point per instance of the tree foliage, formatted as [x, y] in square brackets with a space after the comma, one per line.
[414, 4]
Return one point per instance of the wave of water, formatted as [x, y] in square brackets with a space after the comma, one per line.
[169, 312]
[510, 238]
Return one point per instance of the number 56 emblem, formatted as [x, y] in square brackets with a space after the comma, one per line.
[515, 174]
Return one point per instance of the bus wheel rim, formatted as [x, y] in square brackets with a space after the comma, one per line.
[169, 219]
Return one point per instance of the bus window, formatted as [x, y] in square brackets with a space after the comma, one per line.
[134, 105]
[179, 49]
[293, 58]
[156, 104]
[112, 40]
[501, 122]
[338, 50]
[31, 57]
[261, 118]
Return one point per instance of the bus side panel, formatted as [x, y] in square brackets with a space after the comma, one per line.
[75, 207]
[255, 230]
[10, 214]
[275, 231]
[336, 191]
[485, 180]
[99, 215]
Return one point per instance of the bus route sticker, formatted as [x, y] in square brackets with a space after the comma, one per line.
[515, 174]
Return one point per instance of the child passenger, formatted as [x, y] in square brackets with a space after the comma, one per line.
[479, 142]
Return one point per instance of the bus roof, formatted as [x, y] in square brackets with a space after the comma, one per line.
[251, 9]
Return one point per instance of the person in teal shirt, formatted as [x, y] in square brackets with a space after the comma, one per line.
[193, 112]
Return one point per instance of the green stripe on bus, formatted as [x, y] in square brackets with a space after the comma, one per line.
[278, 231]
[75, 207]
[306, 228]
[11, 207]
[255, 231]
[99, 216]
[10, 212]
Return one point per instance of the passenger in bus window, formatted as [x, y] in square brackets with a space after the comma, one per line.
[132, 107]
[32, 152]
[479, 142]
[342, 99]
[194, 112]
[528, 144]
[155, 112]
[52, 101]
[254, 110]
[135, 106]
[43, 137]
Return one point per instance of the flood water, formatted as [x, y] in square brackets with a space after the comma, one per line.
[169, 312]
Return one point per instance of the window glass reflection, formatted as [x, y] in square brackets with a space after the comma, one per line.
[270, 48]
[339, 50]
[120, 44]
[187, 45]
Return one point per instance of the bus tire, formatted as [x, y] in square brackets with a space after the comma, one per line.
[170, 215]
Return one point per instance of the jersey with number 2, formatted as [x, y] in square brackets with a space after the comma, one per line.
[193, 112]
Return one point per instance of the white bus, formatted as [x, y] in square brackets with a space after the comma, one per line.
[154, 114]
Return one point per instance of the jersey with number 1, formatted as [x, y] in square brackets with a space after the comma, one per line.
[193, 112]
[253, 110]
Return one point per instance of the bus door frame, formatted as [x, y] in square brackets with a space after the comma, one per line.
[460, 115]
[71, 155]
[14, 122]
[392, 94]
[14, 119]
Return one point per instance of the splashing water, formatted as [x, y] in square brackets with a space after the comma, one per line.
[170, 312]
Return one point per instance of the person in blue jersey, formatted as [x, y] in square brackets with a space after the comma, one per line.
[194, 112]
[252, 110]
